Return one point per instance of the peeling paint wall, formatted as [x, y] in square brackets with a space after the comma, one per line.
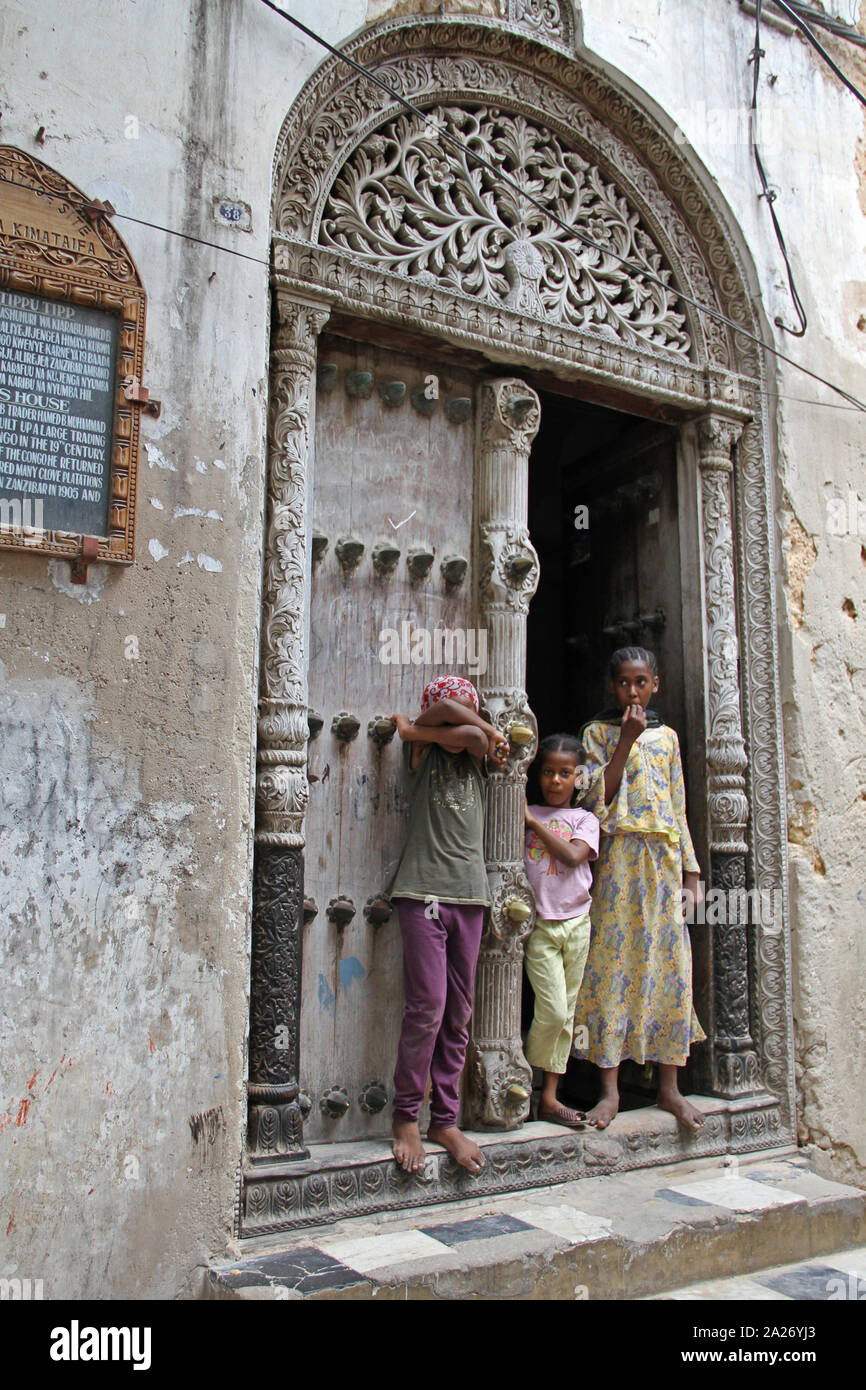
[127, 707]
[695, 68]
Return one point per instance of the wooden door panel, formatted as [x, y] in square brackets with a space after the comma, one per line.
[373, 462]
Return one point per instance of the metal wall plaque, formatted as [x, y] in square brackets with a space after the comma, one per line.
[71, 337]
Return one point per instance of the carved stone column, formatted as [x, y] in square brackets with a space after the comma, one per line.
[500, 1079]
[275, 1118]
[735, 1062]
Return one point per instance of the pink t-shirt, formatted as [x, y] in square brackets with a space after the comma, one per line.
[559, 891]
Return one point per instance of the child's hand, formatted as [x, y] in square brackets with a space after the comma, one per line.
[633, 723]
[403, 723]
[693, 895]
[497, 747]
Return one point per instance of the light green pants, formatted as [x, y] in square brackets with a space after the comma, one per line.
[555, 957]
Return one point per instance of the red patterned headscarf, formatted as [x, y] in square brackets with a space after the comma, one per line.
[449, 687]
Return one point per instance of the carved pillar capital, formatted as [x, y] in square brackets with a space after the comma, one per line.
[510, 414]
[298, 323]
[717, 435]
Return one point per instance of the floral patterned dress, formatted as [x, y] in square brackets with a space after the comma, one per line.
[636, 997]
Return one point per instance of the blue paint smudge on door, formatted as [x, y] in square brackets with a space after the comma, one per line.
[326, 994]
[350, 969]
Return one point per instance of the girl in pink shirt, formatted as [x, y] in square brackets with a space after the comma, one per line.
[560, 842]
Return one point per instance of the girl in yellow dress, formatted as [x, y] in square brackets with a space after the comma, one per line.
[636, 997]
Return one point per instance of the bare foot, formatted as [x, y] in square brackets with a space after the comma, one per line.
[682, 1108]
[408, 1149]
[467, 1153]
[601, 1115]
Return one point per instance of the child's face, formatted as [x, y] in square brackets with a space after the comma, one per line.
[557, 775]
[634, 684]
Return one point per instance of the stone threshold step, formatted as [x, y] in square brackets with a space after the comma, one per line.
[619, 1236]
[357, 1178]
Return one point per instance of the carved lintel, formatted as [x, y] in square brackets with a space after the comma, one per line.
[726, 752]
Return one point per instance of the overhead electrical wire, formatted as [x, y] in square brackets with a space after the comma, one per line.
[83, 205]
[819, 47]
[825, 21]
[88, 207]
[755, 58]
[468, 152]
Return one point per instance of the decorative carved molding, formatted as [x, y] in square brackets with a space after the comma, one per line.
[408, 201]
[306, 1195]
[551, 21]
[275, 1116]
[282, 791]
[412, 302]
[726, 753]
[275, 1128]
[497, 1071]
[453, 60]
[735, 1062]
[53, 249]
[769, 947]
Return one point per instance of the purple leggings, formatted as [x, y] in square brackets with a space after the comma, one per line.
[439, 958]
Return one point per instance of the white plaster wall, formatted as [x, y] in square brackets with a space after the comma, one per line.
[691, 59]
[126, 802]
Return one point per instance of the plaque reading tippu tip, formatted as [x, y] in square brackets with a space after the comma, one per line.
[57, 388]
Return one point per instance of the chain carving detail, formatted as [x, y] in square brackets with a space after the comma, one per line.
[407, 201]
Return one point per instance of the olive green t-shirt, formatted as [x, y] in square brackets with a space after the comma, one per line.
[444, 853]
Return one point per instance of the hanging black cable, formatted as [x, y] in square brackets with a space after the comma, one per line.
[824, 21]
[807, 33]
[755, 58]
[469, 153]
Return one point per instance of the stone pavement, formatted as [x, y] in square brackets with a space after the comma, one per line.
[655, 1232]
[837, 1277]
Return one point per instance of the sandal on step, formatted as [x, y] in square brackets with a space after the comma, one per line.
[571, 1119]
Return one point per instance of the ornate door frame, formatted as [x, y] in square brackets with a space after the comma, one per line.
[334, 262]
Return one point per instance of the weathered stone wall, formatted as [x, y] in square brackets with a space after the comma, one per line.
[126, 795]
[125, 800]
[813, 141]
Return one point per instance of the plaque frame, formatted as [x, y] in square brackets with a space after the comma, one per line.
[88, 266]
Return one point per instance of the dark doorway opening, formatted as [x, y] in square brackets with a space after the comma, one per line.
[604, 519]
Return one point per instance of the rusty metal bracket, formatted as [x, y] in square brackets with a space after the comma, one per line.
[139, 395]
[78, 564]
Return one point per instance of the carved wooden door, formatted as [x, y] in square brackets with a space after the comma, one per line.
[391, 607]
